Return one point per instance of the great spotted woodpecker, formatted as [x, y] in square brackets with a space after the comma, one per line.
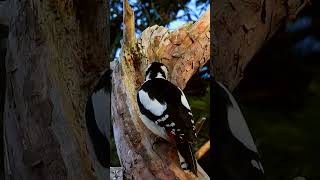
[164, 110]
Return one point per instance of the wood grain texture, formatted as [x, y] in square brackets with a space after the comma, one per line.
[56, 53]
[183, 50]
[242, 28]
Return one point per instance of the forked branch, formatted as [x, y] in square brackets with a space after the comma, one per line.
[183, 50]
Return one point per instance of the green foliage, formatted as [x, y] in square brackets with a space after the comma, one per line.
[200, 106]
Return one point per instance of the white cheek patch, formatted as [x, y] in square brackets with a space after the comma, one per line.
[165, 70]
[238, 125]
[154, 106]
[184, 100]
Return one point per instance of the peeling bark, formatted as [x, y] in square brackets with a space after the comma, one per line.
[242, 28]
[56, 53]
[183, 51]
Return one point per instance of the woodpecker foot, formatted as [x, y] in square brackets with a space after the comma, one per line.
[157, 141]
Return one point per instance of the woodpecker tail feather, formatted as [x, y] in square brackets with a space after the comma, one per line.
[186, 156]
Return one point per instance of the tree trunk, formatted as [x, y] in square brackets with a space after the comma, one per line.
[57, 50]
[183, 51]
[242, 28]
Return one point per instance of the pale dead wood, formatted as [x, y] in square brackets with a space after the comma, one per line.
[183, 50]
[128, 19]
[203, 150]
[241, 30]
[199, 124]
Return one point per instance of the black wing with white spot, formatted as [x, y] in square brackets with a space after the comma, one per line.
[164, 107]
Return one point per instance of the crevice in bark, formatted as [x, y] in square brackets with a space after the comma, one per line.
[183, 51]
[263, 12]
[50, 56]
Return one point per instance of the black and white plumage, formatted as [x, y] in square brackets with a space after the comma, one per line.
[235, 155]
[164, 109]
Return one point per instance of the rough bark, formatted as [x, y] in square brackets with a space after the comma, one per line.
[56, 53]
[242, 28]
[183, 51]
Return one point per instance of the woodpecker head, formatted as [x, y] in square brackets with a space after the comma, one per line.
[156, 70]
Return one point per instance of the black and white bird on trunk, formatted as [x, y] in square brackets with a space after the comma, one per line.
[164, 110]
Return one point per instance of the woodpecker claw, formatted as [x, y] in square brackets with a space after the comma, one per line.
[157, 140]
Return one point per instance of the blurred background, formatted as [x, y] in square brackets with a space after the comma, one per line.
[280, 98]
[280, 92]
[279, 95]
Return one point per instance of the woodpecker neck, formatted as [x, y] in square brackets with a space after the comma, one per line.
[153, 75]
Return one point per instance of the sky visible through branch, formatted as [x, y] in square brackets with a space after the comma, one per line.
[192, 11]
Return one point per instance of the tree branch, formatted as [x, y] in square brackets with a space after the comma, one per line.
[183, 50]
[199, 124]
[129, 28]
[241, 30]
[203, 150]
